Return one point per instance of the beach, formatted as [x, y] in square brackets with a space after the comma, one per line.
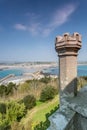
[32, 71]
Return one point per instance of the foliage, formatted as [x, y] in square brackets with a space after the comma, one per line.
[11, 113]
[84, 77]
[29, 101]
[2, 90]
[46, 79]
[2, 108]
[32, 80]
[38, 114]
[15, 111]
[48, 93]
[82, 81]
[43, 125]
[10, 88]
[7, 90]
[34, 84]
[4, 124]
[24, 87]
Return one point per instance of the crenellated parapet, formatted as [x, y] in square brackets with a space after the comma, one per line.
[68, 44]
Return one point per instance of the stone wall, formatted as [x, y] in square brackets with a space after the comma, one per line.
[80, 122]
[68, 73]
[72, 115]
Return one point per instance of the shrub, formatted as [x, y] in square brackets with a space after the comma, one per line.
[45, 79]
[24, 87]
[4, 124]
[29, 101]
[10, 88]
[84, 77]
[6, 90]
[48, 93]
[2, 90]
[15, 111]
[82, 81]
[2, 108]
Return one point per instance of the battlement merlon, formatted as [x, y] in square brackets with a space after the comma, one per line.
[68, 40]
[66, 37]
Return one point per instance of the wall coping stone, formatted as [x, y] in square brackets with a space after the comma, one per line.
[79, 103]
[60, 120]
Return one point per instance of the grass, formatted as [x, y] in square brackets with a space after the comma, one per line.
[38, 113]
[43, 109]
[38, 103]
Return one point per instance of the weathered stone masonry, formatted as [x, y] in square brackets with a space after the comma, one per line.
[67, 48]
[72, 114]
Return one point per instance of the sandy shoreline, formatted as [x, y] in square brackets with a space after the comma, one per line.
[27, 66]
[28, 75]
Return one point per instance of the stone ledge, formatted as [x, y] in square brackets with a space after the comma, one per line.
[61, 119]
[79, 103]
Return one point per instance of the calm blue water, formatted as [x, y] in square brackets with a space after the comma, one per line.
[81, 70]
[16, 72]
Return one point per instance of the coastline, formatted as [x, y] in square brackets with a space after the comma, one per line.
[32, 71]
[35, 74]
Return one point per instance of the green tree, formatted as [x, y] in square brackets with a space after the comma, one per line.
[46, 79]
[10, 88]
[48, 93]
[29, 101]
[3, 108]
[2, 90]
[15, 111]
[4, 124]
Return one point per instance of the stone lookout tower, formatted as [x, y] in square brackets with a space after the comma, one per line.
[67, 47]
[72, 114]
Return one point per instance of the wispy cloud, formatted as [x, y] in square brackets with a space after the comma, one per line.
[58, 18]
[20, 27]
[35, 28]
[62, 15]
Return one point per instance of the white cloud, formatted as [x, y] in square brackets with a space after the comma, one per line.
[20, 27]
[34, 28]
[46, 31]
[58, 18]
[62, 15]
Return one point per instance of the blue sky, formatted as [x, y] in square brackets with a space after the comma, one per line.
[28, 28]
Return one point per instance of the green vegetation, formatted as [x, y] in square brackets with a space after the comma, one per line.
[29, 101]
[45, 80]
[8, 89]
[27, 106]
[48, 93]
[14, 112]
[82, 81]
[38, 115]
[20, 105]
[2, 108]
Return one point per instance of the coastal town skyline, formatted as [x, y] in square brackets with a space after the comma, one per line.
[28, 28]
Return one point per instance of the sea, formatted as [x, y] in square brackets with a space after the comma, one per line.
[81, 71]
[15, 72]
